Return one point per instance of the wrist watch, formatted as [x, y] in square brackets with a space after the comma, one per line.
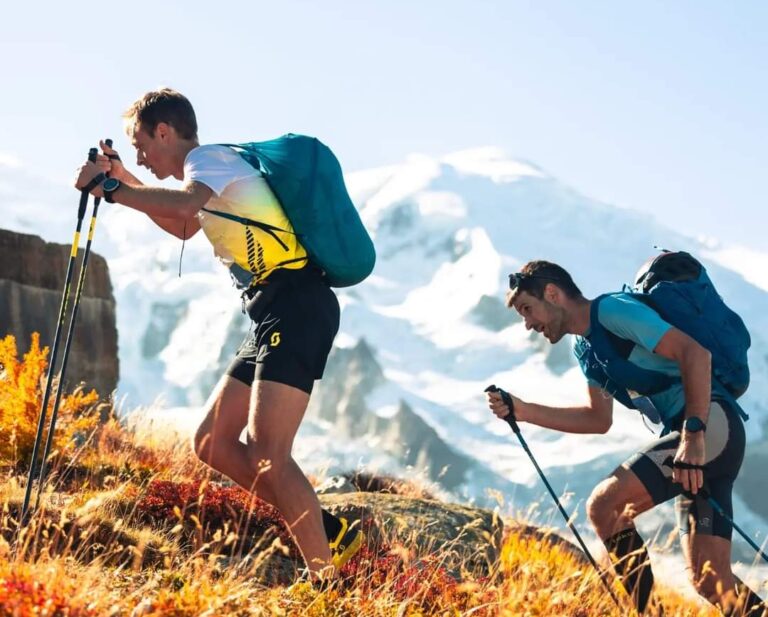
[109, 187]
[694, 425]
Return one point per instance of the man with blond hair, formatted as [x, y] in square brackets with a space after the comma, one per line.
[295, 313]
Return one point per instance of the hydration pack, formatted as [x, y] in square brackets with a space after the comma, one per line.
[306, 179]
[677, 287]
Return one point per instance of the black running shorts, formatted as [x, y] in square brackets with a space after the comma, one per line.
[724, 451]
[295, 317]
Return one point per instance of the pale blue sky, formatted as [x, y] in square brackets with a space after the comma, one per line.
[657, 106]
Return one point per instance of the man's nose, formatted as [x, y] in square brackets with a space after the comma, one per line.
[528, 325]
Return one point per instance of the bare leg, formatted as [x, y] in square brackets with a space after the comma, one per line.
[272, 413]
[217, 441]
[708, 560]
[616, 501]
[275, 414]
[612, 507]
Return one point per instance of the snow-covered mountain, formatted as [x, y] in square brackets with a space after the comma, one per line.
[431, 319]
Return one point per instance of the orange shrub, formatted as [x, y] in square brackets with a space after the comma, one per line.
[25, 593]
[21, 393]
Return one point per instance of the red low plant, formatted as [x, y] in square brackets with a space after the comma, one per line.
[215, 507]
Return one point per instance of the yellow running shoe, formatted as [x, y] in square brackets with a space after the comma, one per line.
[346, 544]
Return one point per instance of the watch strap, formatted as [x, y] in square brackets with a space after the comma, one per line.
[698, 425]
[108, 195]
[98, 179]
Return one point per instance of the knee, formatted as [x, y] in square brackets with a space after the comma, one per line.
[599, 504]
[201, 444]
[268, 464]
[210, 444]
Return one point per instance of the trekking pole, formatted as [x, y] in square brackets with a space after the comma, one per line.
[67, 345]
[510, 418]
[92, 153]
[712, 502]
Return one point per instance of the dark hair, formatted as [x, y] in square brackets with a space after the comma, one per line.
[534, 277]
[164, 105]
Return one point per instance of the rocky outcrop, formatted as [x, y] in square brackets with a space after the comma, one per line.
[340, 398]
[350, 376]
[32, 274]
[418, 445]
[466, 538]
[492, 313]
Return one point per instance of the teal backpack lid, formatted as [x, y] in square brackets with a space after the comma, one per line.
[306, 178]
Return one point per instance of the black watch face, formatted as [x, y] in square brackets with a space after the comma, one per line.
[110, 184]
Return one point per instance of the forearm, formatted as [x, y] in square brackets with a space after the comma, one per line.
[696, 374]
[695, 364]
[564, 419]
[183, 229]
[158, 203]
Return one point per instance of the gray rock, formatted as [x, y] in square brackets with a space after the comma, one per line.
[465, 539]
[491, 313]
[417, 444]
[336, 485]
[349, 375]
[341, 399]
[32, 274]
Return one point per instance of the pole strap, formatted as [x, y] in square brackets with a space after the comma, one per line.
[95, 181]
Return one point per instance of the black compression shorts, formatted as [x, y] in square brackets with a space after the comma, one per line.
[724, 451]
[295, 317]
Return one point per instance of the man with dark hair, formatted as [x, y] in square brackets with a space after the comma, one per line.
[295, 313]
[703, 433]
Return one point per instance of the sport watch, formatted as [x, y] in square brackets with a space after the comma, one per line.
[109, 186]
[694, 425]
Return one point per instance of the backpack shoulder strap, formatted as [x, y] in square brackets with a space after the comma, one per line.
[621, 346]
[270, 229]
[594, 350]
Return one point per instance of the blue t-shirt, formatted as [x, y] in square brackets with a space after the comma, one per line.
[634, 321]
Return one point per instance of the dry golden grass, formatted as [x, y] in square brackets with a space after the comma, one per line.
[128, 528]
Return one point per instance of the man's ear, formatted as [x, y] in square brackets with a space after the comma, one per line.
[552, 294]
[163, 131]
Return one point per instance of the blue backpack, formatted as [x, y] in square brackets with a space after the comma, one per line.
[678, 288]
[306, 178]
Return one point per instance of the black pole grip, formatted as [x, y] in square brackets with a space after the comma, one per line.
[111, 157]
[92, 154]
[97, 201]
[507, 399]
